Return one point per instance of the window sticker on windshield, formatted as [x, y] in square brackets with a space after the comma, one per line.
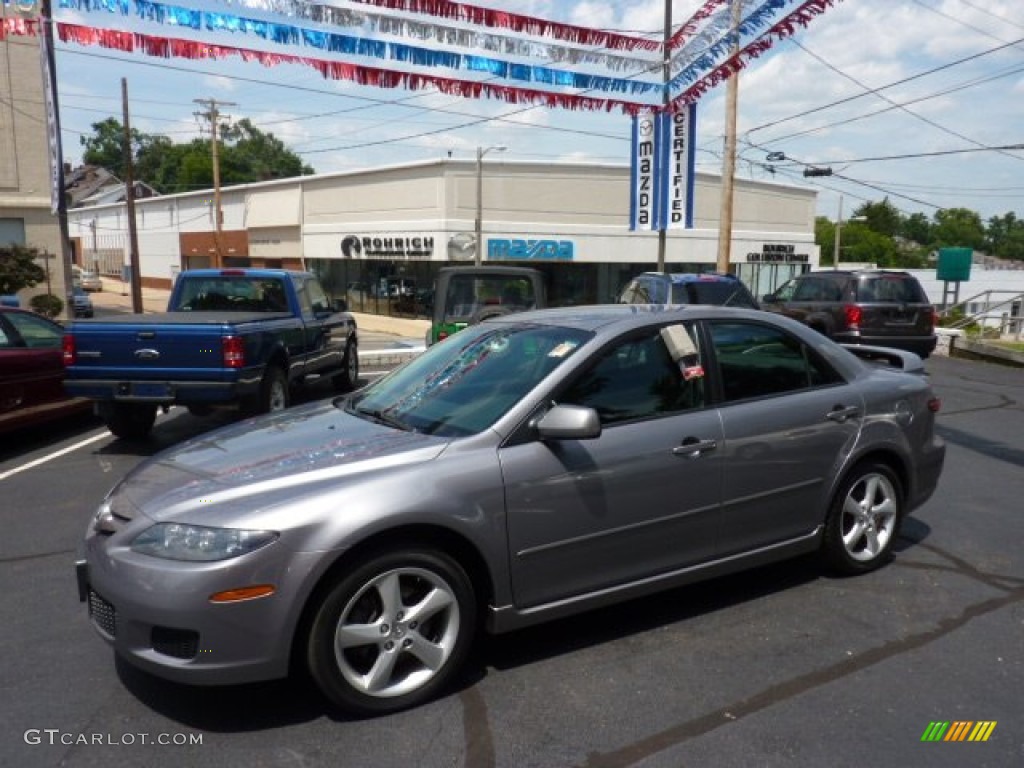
[563, 349]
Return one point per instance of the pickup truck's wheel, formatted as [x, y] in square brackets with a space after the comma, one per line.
[347, 380]
[273, 390]
[392, 631]
[129, 421]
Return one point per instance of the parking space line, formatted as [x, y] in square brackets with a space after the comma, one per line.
[54, 455]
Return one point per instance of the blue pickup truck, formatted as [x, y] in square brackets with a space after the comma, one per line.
[229, 337]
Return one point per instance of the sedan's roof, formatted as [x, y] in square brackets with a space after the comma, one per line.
[599, 316]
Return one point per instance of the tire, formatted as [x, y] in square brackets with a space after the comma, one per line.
[273, 394]
[864, 519]
[348, 379]
[200, 409]
[129, 421]
[392, 631]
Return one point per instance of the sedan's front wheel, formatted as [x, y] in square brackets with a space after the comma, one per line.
[864, 520]
[392, 631]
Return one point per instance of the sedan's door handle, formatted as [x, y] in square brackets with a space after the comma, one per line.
[694, 448]
[840, 413]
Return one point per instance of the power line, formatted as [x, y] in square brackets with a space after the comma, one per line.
[874, 91]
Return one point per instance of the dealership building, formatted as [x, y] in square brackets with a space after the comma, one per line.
[362, 229]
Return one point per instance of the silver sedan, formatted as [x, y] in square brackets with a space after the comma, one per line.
[526, 468]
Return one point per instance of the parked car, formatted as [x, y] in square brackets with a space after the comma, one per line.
[240, 338]
[668, 288]
[83, 306]
[874, 307]
[529, 467]
[32, 372]
[90, 281]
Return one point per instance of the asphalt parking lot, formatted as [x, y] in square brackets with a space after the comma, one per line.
[782, 666]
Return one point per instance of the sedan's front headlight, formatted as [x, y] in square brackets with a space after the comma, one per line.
[177, 541]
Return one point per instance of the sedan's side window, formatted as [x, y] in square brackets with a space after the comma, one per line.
[637, 378]
[35, 332]
[755, 360]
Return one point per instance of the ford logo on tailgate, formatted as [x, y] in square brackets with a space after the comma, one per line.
[147, 354]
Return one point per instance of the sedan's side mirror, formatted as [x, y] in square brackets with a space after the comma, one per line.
[339, 305]
[569, 422]
[768, 298]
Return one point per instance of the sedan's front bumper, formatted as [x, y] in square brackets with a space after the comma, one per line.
[158, 615]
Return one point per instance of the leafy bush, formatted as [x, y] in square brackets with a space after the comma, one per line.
[46, 305]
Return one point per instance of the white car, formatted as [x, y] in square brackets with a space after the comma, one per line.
[90, 281]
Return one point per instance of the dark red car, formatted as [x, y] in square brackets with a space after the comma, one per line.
[32, 371]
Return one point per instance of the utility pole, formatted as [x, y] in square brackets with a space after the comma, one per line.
[213, 115]
[729, 160]
[129, 199]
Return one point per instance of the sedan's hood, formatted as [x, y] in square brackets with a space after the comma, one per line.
[269, 455]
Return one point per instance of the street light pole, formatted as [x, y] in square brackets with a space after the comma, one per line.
[839, 229]
[480, 152]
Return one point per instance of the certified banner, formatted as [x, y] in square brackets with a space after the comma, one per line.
[643, 202]
[677, 163]
[52, 126]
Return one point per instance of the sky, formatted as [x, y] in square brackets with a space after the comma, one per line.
[914, 101]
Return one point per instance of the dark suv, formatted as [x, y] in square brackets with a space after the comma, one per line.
[873, 307]
[687, 288]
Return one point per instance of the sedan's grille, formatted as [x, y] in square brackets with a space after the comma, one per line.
[179, 643]
[103, 614]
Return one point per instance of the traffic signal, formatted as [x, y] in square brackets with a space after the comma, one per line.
[817, 171]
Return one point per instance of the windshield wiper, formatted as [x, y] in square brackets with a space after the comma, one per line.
[381, 417]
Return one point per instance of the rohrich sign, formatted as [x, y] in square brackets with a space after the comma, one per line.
[387, 247]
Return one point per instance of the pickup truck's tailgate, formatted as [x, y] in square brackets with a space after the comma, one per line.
[107, 349]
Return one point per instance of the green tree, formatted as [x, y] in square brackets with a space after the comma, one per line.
[18, 268]
[860, 243]
[883, 217]
[246, 154]
[916, 228]
[958, 227]
[1004, 237]
[825, 237]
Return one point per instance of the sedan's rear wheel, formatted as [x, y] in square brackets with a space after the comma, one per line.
[392, 631]
[864, 520]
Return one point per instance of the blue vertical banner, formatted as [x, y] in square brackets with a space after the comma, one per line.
[643, 181]
[677, 168]
[662, 169]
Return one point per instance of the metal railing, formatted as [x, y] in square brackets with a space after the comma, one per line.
[996, 311]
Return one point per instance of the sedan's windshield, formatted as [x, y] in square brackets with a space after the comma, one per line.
[465, 383]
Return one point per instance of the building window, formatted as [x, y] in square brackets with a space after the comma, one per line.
[12, 232]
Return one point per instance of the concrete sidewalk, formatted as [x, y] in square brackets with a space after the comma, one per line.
[116, 294]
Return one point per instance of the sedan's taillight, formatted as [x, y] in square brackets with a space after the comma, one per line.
[853, 315]
[68, 347]
[934, 404]
[233, 349]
